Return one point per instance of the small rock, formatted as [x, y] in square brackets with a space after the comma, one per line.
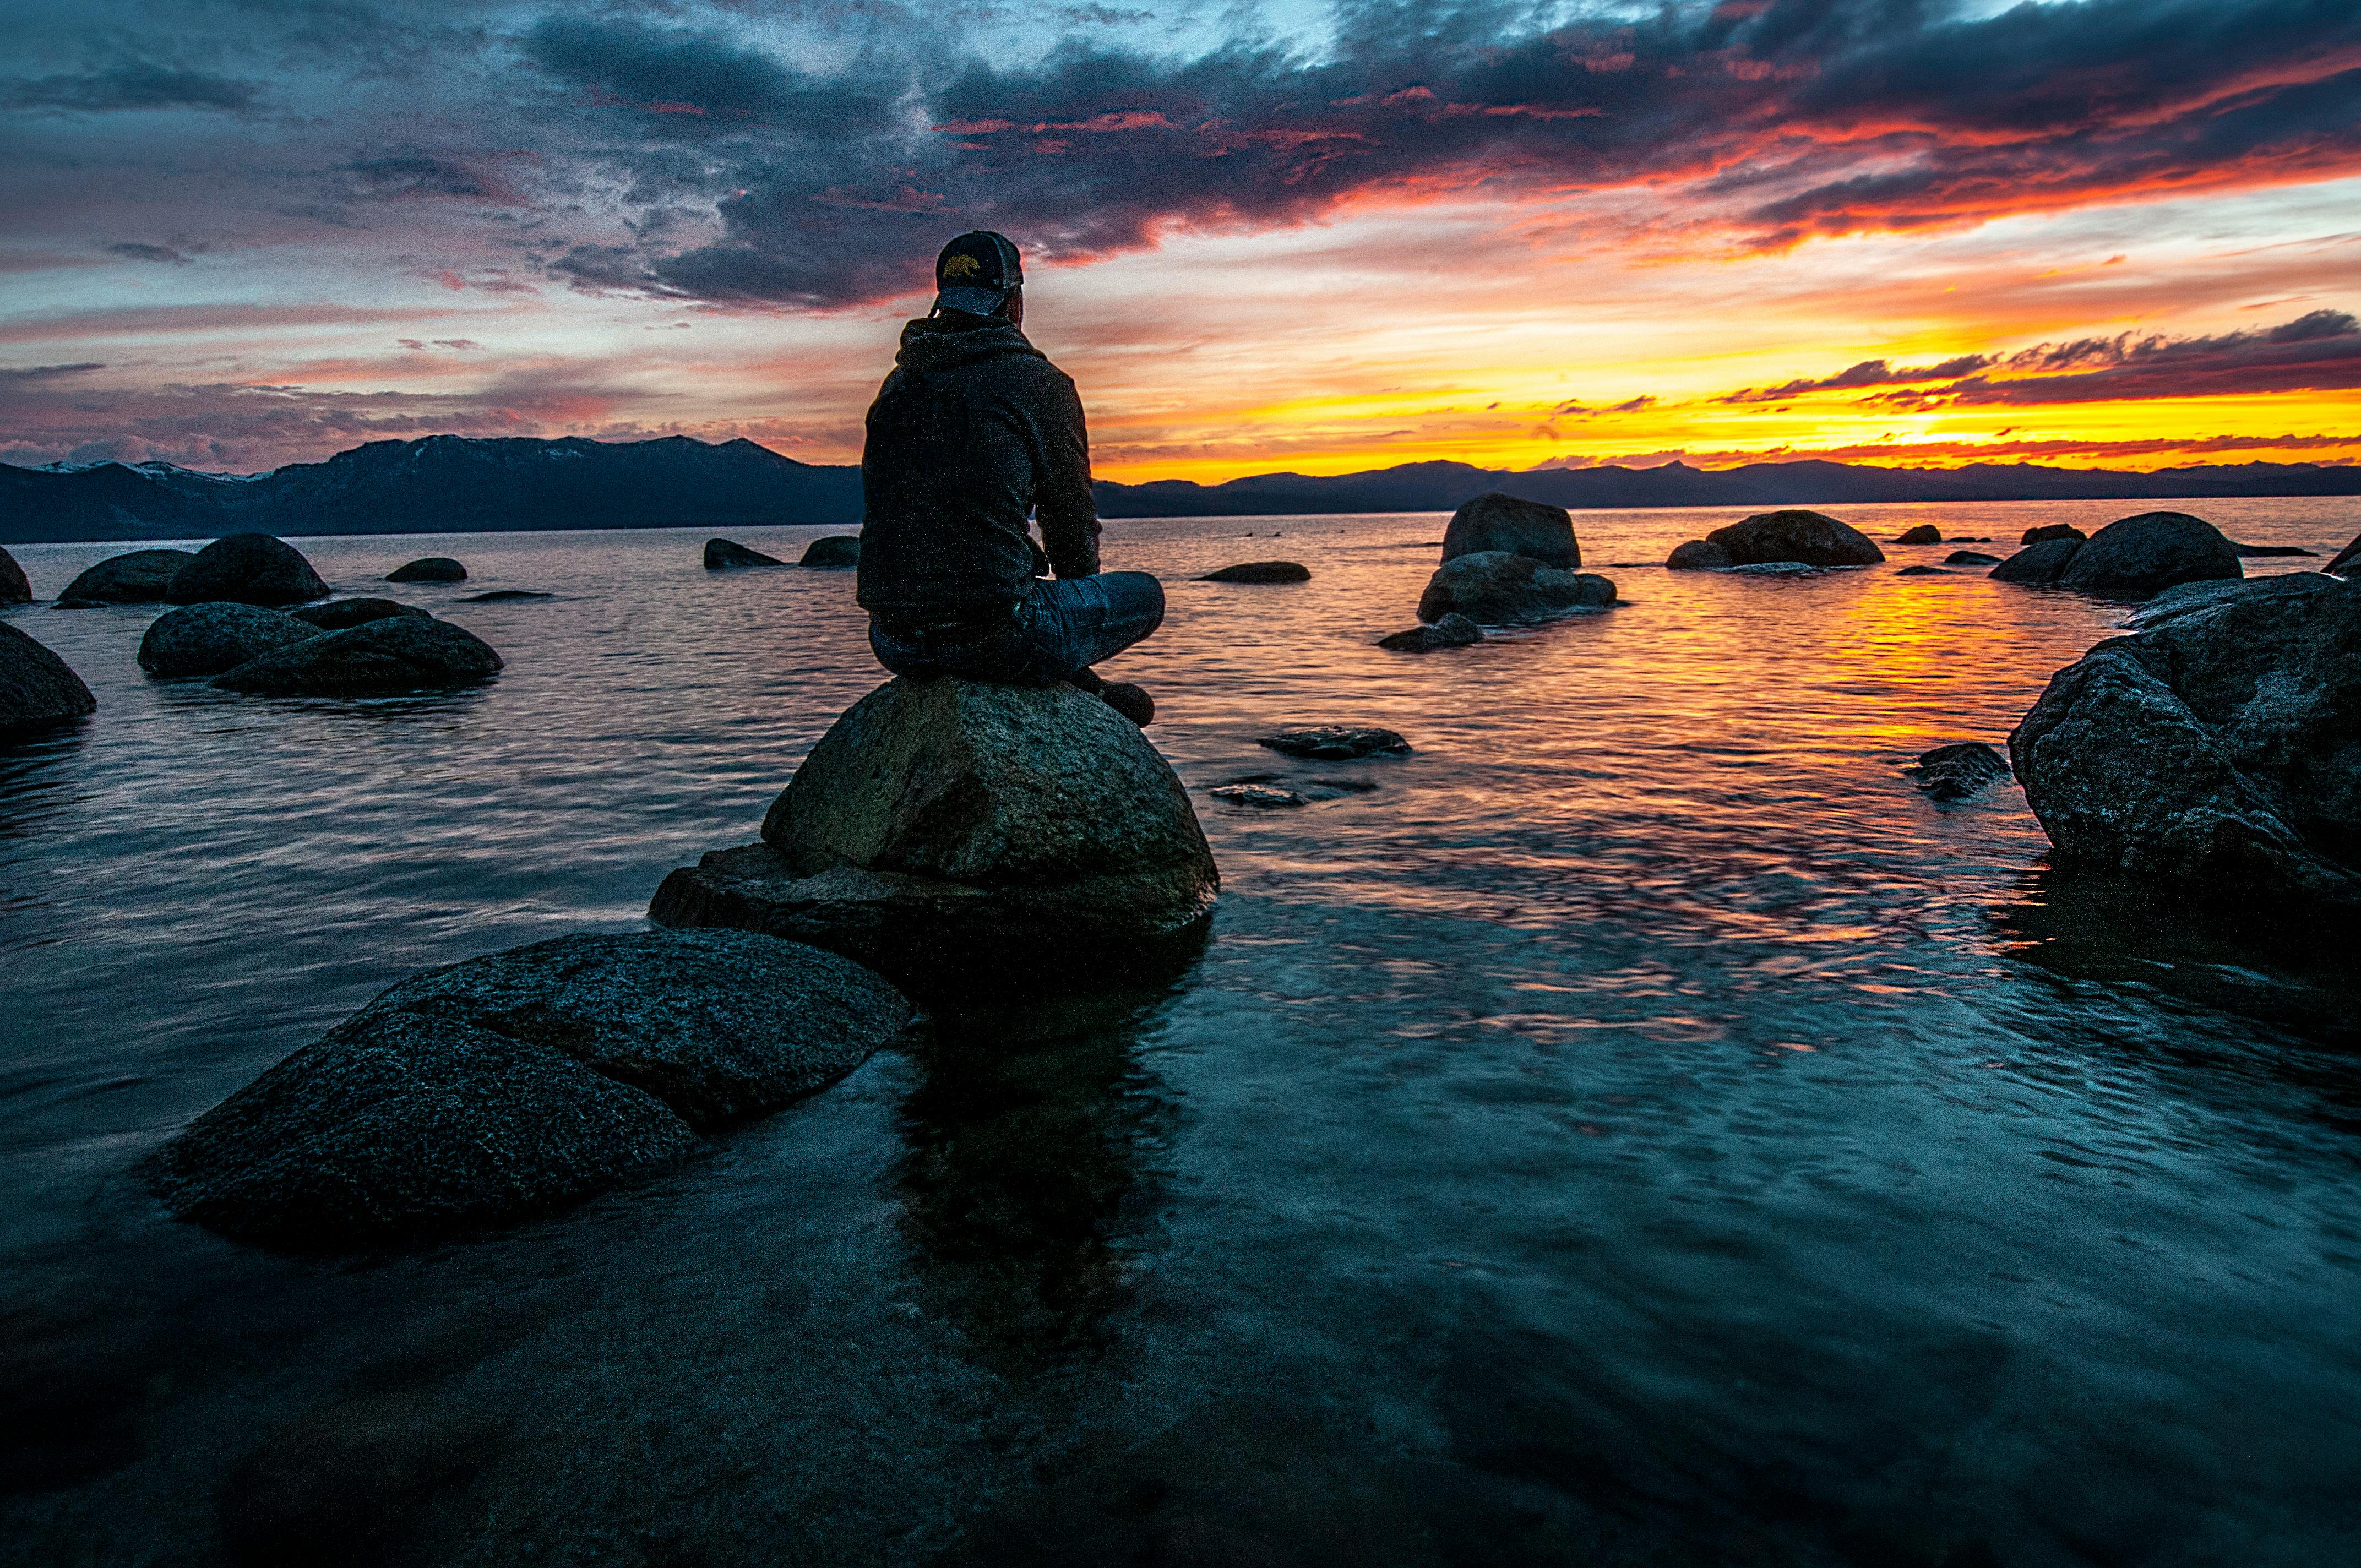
[37, 687]
[207, 639]
[139, 576]
[338, 614]
[1925, 533]
[2270, 549]
[727, 556]
[1698, 555]
[1493, 521]
[1497, 588]
[246, 569]
[1923, 572]
[504, 596]
[2054, 530]
[2154, 550]
[1454, 630]
[1775, 569]
[378, 658]
[1813, 538]
[429, 569]
[2040, 564]
[1970, 558]
[1336, 743]
[1256, 794]
[14, 588]
[833, 552]
[1260, 572]
[1954, 773]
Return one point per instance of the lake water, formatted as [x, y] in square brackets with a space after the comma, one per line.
[1641, 1129]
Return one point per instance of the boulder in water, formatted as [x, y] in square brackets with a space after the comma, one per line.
[429, 569]
[2053, 531]
[1336, 743]
[37, 687]
[1956, 772]
[2266, 550]
[833, 552]
[1698, 555]
[727, 556]
[2040, 564]
[1922, 572]
[137, 576]
[1260, 572]
[1496, 523]
[2214, 749]
[1925, 533]
[520, 1082]
[1265, 797]
[207, 639]
[507, 595]
[948, 829]
[1970, 558]
[2154, 550]
[1813, 538]
[338, 614]
[14, 587]
[247, 568]
[378, 658]
[1494, 587]
[1454, 630]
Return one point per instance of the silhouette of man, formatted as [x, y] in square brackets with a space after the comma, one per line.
[973, 433]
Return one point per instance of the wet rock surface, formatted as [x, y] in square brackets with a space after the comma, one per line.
[2215, 748]
[834, 553]
[137, 576]
[1454, 630]
[207, 639]
[520, 1082]
[14, 588]
[1260, 572]
[1813, 538]
[1956, 772]
[1264, 796]
[379, 658]
[247, 568]
[940, 827]
[429, 569]
[1698, 555]
[2040, 564]
[728, 555]
[1496, 588]
[1336, 743]
[37, 687]
[338, 614]
[2152, 551]
[1494, 521]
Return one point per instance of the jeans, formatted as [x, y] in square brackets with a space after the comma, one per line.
[1061, 629]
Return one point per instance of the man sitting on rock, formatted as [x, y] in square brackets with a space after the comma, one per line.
[973, 431]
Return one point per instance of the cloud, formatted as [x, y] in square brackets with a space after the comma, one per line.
[45, 372]
[1868, 373]
[2317, 352]
[131, 251]
[410, 177]
[135, 85]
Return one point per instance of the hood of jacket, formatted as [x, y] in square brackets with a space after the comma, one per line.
[953, 339]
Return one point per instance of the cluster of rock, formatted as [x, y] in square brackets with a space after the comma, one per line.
[1790, 539]
[1506, 562]
[2142, 555]
[833, 552]
[523, 1081]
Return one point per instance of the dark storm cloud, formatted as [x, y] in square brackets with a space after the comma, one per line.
[136, 85]
[688, 76]
[420, 176]
[44, 372]
[1868, 373]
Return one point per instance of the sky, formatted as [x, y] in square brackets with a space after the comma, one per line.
[1261, 236]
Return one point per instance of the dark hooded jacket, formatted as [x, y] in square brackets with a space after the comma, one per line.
[973, 431]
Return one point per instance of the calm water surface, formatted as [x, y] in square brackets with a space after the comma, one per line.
[1641, 1128]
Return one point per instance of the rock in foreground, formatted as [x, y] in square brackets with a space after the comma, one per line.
[1454, 630]
[37, 687]
[247, 568]
[2217, 749]
[946, 830]
[207, 639]
[338, 614]
[728, 555]
[834, 553]
[1496, 588]
[2348, 560]
[379, 658]
[520, 1082]
[14, 587]
[1698, 555]
[2153, 551]
[1493, 521]
[137, 576]
[1813, 538]
[1260, 572]
[429, 569]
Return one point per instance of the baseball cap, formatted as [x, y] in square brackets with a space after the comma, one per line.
[975, 272]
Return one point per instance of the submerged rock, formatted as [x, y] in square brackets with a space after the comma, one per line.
[2040, 564]
[506, 595]
[2214, 748]
[1970, 558]
[2053, 531]
[2154, 550]
[1698, 555]
[520, 1082]
[1954, 773]
[1922, 572]
[246, 569]
[1497, 523]
[14, 587]
[1925, 533]
[725, 555]
[1454, 630]
[1776, 569]
[1260, 572]
[949, 828]
[1264, 797]
[207, 639]
[378, 658]
[37, 687]
[1813, 538]
[338, 614]
[1336, 743]
[429, 569]
[1497, 588]
[137, 576]
[2259, 549]
[833, 552]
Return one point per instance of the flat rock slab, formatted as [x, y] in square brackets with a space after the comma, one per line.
[2268, 549]
[207, 639]
[727, 555]
[1260, 572]
[1264, 796]
[246, 569]
[1956, 772]
[379, 658]
[1336, 743]
[520, 1082]
[37, 687]
[429, 569]
[139, 576]
[506, 595]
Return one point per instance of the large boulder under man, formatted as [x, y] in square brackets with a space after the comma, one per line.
[973, 433]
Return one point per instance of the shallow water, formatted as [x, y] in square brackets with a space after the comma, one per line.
[1641, 1128]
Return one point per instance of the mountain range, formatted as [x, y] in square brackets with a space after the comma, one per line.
[450, 484]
